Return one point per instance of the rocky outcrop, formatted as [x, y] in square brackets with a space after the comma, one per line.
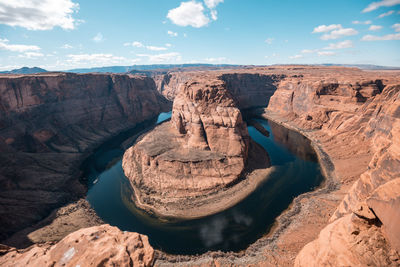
[201, 151]
[362, 117]
[349, 241]
[385, 203]
[96, 246]
[376, 195]
[48, 125]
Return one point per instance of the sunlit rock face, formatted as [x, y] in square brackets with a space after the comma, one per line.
[202, 149]
[102, 245]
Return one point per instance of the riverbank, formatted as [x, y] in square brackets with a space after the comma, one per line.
[299, 224]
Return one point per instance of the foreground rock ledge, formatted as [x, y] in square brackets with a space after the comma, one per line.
[188, 167]
[102, 245]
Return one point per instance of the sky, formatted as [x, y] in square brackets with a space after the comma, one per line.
[67, 34]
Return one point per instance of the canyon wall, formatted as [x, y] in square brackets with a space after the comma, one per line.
[48, 124]
[357, 121]
[352, 116]
[249, 89]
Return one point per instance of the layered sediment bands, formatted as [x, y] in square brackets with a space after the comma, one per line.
[252, 89]
[356, 120]
[48, 124]
[202, 150]
[351, 117]
[171, 83]
[374, 197]
[102, 245]
[249, 89]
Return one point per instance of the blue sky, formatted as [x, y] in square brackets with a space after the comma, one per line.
[65, 34]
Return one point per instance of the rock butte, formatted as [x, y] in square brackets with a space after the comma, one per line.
[351, 116]
[183, 167]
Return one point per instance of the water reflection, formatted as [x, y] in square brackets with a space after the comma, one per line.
[295, 172]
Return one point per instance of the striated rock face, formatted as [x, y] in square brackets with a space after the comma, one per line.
[96, 246]
[48, 124]
[203, 149]
[385, 202]
[352, 116]
[361, 117]
[252, 89]
[171, 83]
[210, 119]
[349, 241]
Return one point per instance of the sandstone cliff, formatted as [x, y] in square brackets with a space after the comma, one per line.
[48, 124]
[352, 119]
[373, 200]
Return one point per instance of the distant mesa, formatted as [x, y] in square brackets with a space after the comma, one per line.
[25, 70]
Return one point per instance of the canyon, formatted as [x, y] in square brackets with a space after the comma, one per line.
[50, 122]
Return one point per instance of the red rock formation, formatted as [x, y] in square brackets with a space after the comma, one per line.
[48, 124]
[352, 116]
[96, 246]
[376, 195]
[202, 150]
[352, 113]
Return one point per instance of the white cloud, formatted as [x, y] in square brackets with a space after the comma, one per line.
[374, 28]
[326, 53]
[38, 14]
[340, 45]
[98, 38]
[367, 22]
[387, 37]
[212, 3]
[296, 57]
[134, 44]
[309, 51]
[269, 40]
[386, 14]
[168, 45]
[214, 14]
[382, 3]
[67, 46]
[156, 48]
[172, 34]
[189, 14]
[396, 27]
[216, 59]
[326, 28]
[336, 34]
[31, 55]
[4, 45]
[148, 47]
[167, 57]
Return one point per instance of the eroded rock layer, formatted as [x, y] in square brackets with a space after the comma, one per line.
[48, 124]
[102, 245]
[203, 149]
[352, 119]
